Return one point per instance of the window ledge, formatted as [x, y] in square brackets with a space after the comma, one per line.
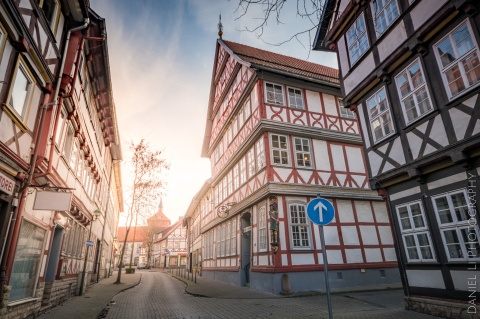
[15, 118]
[22, 301]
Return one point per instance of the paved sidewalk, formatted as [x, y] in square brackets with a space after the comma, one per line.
[94, 300]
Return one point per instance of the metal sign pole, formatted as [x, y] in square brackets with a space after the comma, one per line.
[325, 270]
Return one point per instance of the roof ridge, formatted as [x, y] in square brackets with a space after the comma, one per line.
[279, 54]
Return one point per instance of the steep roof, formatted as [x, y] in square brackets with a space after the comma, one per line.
[284, 63]
[140, 235]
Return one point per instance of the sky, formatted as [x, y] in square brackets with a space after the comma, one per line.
[161, 56]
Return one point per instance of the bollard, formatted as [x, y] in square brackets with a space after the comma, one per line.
[195, 277]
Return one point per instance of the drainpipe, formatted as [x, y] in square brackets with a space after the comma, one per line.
[17, 218]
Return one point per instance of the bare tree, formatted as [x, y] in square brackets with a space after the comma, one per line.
[273, 10]
[146, 185]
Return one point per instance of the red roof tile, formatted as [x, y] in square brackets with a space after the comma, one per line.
[283, 62]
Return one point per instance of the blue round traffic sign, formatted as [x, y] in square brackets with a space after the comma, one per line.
[320, 211]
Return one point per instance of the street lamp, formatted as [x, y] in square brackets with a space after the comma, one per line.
[96, 214]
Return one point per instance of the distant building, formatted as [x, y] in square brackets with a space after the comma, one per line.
[277, 135]
[411, 72]
[143, 235]
[170, 246]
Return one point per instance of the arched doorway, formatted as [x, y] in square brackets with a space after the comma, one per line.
[246, 254]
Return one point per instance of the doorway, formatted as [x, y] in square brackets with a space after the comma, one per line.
[246, 231]
[54, 255]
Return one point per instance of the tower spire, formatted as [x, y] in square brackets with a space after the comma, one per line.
[220, 26]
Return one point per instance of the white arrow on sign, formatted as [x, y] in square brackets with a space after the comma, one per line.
[320, 207]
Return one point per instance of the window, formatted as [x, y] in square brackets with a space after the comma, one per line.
[460, 238]
[246, 111]
[243, 171]
[48, 8]
[295, 98]
[380, 118]
[357, 40]
[235, 177]
[457, 57]
[21, 90]
[262, 229]
[260, 149]
[384, 13]
[415, 233]
[302, 152]
[251, 162]
[60, 127]
[274, 93]
[279, 149]
[413, 92]
[299, 228]
[27, 261]
[344, 112]
[74, 157]
[230, 183]
[233, 238]
[67, 147]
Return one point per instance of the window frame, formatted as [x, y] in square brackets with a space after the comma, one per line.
[374, 95]
[20, 118]
[293, 224]
[457, 61]
[274, 98]
[297, 107]
[351, 45]
[413, 91]
[302, 152]
[262, 229]
[261, 161]
[375, 16]
[280, 150]
[456, 225]
[343, 111]
[415, 232]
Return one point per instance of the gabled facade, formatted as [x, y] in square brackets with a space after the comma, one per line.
[142, 237]
[277, 135]
[170, 246]
[411, 71]
[58, 135]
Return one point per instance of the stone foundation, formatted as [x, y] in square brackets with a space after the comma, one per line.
[58, 291]
[444, 308]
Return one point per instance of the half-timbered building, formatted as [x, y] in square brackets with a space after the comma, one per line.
[411, 71]
[277, 135]
[60, 148]
[170, 246]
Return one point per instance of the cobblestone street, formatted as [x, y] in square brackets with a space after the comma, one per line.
[161, 296]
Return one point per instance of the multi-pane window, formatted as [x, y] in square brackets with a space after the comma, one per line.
[274, 93]
[344, 112]
[460, 238]
[243, 171]
[260, 148]
[413, 92]
[280, 149]
[67, 147]
[224, 187]
[457, 54]
[235, 178]
[295, 98]
[357, 39]
[262, 229]
[230, 182]
[251, 162]
[60, 127]
[246, 110]
[384, 13]
[208, 245]
[233, 238]
[302, 152]
[22, 90]
[27, 259]
[227, 239]
[415, 233]
[299, 227]
[380, 118]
